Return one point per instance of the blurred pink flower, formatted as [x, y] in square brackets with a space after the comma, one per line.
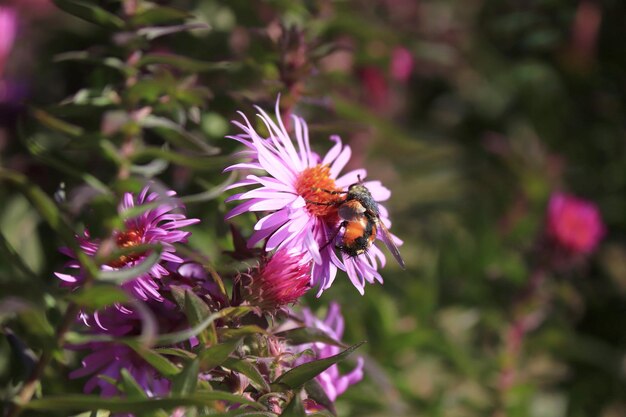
[401, 64]
[574, 224]
[374, 86]
[8, 31]
[333, 382]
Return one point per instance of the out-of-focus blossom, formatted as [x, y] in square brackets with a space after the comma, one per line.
[108, 359]
[401, 64]
[157, 225]
[574, 224]
[303, 214]
[331, 380]
[8, 32]
[375, 87]
[279, 281]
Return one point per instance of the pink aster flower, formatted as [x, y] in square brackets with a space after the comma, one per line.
[108, 359]
[279, 281]
[293, 179]
[574, 224]
[333, 382]
[157, 225]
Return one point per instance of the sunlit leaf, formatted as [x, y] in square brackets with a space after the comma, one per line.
[295, 408]
[154, 32]
[160, 362]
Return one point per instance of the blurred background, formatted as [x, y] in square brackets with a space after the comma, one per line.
[475, 113]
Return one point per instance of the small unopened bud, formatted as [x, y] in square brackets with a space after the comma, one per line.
[279, 281]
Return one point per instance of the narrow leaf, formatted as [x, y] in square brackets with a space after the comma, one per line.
[99, 296]
[117, 405]
[158, 361]
[303, 335]
[295, 408]
[196, 311]
[119, 276]
[91, 13]
[186, 381]
[249, 370]
[181, 336]
[217, 354]
[299, 375]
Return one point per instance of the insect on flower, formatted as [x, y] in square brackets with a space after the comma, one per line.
[360, 222]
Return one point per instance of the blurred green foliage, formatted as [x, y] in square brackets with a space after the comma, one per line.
[506, 102]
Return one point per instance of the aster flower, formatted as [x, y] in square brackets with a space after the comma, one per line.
[157, 225]
[333, 383]
[277, 282]
[295, 177]
[574, 224]
[108, 359]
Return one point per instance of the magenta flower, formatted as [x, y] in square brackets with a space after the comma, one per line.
[157, 225]
[8, 32]
[295, 177]
[279, 281]
[574, 224]
[401, 65]
[333, 383]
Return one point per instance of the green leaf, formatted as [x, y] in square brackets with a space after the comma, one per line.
[181, 353]
[196, 311]
[315, 391]
[295, 408]
[119, 276]
[302, 335]
[217, 354]
[183, 335]
[154, 32]
[184, 63]
[299, 375]
[150, 153]
[99, 296]
[131, 388]
[157, 122]
[117, 405]
[48, 211]
[158, 361]
[249, 370]
[186, 381]
[246, 330]
[158, 15]
[56, 124]
[91, 13]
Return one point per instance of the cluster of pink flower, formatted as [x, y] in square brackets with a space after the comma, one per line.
[302, 194]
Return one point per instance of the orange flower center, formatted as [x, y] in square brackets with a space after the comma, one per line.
[314, 185]
[125, 240]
